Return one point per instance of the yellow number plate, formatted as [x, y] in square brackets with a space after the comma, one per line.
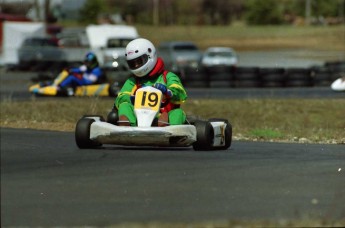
[145, 99]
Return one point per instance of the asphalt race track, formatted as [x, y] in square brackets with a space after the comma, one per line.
[47, 181]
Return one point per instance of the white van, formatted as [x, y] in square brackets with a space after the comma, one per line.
[110, 43]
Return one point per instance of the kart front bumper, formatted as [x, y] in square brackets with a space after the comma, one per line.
[178, 135]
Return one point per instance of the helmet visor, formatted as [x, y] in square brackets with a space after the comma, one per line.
[88, 63]
[137, 62]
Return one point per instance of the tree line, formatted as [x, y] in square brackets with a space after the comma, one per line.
[215, 12]
[195, 12]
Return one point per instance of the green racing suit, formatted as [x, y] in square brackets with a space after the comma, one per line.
[124, 100]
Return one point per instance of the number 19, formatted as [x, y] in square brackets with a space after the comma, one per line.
[152, 99]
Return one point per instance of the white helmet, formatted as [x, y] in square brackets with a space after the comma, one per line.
[141, 56]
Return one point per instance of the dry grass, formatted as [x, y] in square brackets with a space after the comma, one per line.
[304, 120]
[280, 119]
[331, 38]
[238, 223]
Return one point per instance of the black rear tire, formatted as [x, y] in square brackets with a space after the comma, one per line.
[191, 119]
[82, 134]
[204, 136]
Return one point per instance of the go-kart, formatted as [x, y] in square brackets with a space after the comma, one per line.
[50, 88]
[339, 84]
[93, 130]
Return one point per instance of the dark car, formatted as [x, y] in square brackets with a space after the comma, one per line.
[38, 52]
[180, 54]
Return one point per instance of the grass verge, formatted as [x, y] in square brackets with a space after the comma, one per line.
[243, 38]
[287, 120]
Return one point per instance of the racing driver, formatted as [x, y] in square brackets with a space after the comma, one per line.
[148, 70]
[86, 74]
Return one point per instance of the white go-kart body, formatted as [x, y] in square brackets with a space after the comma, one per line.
[338, 85]
[93, 131]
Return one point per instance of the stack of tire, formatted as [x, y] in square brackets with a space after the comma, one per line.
[194, 77]
[247, 77]
[337, 68]
[220, 76]
[272, 77]
[298, 77]
[266, 77]
[321, 76]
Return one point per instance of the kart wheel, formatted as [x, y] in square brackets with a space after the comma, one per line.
[114, 89]
[63, 92]
[113, 117]
[82, 134]
[191, 119]
[228, 132]
[204, 136]
[99, 117]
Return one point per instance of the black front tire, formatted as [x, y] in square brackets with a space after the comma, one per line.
[204, 136]
[114, 88]
[82, 134]
[113, 116]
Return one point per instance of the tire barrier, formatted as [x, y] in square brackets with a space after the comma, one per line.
[220, 77]
[195, 78]
[254, 77]
[43, 66]
[321, 76]
[272, 77]
[298, 77]
[246, 77]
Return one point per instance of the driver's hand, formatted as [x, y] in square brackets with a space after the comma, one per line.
[83, 68]
[161, 87]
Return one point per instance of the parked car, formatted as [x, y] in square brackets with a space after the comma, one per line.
[39, 50]
[180, 54]
[219, 56]
[72, 44]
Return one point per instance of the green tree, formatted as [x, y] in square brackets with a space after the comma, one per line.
[263, 12]
[324, 8]
[221, 11]
[89, 13]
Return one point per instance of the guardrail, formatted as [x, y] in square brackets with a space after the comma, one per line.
[246, 77]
